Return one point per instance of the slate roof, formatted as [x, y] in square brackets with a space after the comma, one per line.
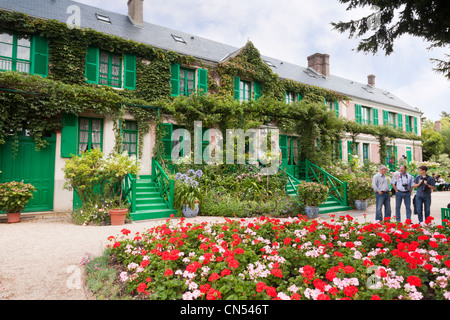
[205, 49]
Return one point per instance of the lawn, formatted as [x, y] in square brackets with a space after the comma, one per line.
[271, 258]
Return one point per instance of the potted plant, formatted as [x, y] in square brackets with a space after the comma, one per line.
[118, 166]
[361, 191]
[311, 195]
[14, 196]
[188, 194]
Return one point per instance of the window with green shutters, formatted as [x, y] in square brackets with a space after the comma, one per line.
[130, 137]
[90, 134]
[183, 80]
[110, 71]
[187, 81]
[365, 115]
[105, 68]
[332, 105]
[24, 54]
[168, 129]
[365, 152]
[289, 97]
[243, 89]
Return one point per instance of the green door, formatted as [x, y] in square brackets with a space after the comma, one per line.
[31, 166]
[292, 156]
[283, 143]
[408, 154]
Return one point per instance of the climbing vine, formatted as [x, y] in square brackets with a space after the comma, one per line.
[42, 101]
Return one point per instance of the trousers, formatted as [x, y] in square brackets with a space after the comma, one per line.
[382, 200]
[405, 197]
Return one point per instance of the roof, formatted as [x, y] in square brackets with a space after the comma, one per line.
[198, 47]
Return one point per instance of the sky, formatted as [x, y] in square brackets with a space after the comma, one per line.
[291, 30]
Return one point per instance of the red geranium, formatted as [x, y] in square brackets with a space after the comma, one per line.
[414, 281]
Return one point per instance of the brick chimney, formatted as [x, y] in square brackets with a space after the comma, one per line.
[136, 12]
[371, 80]
[320, 62]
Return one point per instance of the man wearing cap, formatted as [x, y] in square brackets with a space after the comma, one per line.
[403, 186]
[380, 185]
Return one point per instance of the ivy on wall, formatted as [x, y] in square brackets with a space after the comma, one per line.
[43, 100]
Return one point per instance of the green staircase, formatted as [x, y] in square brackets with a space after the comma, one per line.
[337, 198]
[149, 204]
[150, 196]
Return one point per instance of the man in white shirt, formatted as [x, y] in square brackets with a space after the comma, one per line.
[380, 185]
[403, 186]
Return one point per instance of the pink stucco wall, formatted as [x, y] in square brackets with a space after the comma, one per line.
[375, 152]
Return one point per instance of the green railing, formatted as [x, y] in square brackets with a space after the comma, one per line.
[313, 173]
[292, 181]
[165, 185]
[445, 214]
[129, 191]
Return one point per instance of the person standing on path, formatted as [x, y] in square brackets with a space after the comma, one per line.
[425, 186]
[380, 185]
[403, 186]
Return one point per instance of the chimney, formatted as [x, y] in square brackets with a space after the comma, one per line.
[136, 12]
[320, 62]
[437, 126]
[371, 80]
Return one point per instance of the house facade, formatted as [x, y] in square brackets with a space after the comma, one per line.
[123, 54]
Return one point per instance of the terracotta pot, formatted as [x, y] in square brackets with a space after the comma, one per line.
[13, 217]
[118, 216]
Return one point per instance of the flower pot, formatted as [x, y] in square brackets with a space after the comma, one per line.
[189, 212]
[312, 212]
[13, 217]
[361, 204]
[118, 216]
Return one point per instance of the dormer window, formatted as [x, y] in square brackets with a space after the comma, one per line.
[178, 39]
[103, 18]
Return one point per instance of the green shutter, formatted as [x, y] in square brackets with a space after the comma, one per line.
[92, 60]
[39, 54]
[400, 121]
[375, 116]
[299, 97]
[407, 123]
[415, 125]
[202, 81]
[237, 84]
[69, 135]
[129, 72]
[358, 113]
[283, 144]
[257, 88]
[175, 79]
[340, 149]
[385, 117]
[349, 150]
[336, 107]
[167, 140]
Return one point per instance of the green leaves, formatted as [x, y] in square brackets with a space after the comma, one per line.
[312, 194]
[14, 196]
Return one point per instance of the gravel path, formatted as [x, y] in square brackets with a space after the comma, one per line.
[41, 260]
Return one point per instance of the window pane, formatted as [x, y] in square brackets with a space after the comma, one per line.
[84, 124]
[82, 147]
[115, 70]
[129, 125]
[4, 37]
[126, 137]
[23, 53]
[104, 68]
[23, 66]
[96, 137]
[132, 148]
[24, 42]
[116, 59]
[6, 50]
[96, 125]
[133, 137]
[84, 136]
[104, 57]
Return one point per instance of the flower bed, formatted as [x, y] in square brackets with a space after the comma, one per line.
[294, 258]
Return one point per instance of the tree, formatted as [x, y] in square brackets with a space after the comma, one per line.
[428, 19]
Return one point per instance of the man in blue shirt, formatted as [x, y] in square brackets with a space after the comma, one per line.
[403, 186]
[425, 185]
